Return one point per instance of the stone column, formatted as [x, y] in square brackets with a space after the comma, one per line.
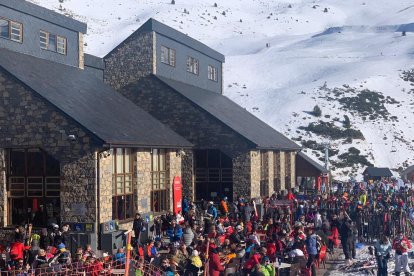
[3, 189]
[187, 174]
[78, 190]
[292, 169]
[282, 171]
[173, 170]
[105, 187]
[241, 175]
[143, 176]
[254, 174]
[270, 171]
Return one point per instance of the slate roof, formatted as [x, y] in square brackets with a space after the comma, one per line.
[152, 25]
[407, 170]
[233, 115]
[373, 171]
[45, 14]
[315, 164]
[87, 100]
[94, 61]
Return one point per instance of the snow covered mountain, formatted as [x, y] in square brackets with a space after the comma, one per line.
[283, 58]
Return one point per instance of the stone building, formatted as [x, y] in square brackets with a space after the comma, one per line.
[72, 149]
[179, 81]
[86, 140]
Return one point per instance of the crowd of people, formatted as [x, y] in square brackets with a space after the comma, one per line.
[47, 254]
[243, 236]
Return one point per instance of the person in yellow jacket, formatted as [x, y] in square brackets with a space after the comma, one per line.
[363, 198]
[266, 268]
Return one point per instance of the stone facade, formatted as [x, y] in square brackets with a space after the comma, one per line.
[37, 124]
[3, 193]
[292, 169]
[241, 175]
[271, 172]
[282, 171]
[130, 61]
[144, 184]
[187, 172]
[78, 187]
[105, 187]
[254, 174]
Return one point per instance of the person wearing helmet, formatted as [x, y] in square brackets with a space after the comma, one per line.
[211, 210]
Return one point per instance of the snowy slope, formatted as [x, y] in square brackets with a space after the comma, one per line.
[312, 44]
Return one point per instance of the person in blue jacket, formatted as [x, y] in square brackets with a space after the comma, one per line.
[211, 210]
[185, 206]
[312, 249]
[174, 232]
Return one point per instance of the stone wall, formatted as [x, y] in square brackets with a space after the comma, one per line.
[282, 171]
[130, 61]
[144, 184]
[187, 174]
[254, 173]
[241, 175]
[271, 172]
[292, 169]
[38, 124]
[3, 193]
[78, 188]
[105, 187]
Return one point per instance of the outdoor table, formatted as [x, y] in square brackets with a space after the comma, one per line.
[282, 269]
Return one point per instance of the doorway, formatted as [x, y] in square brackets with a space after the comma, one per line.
[33, 187]
[213, 175]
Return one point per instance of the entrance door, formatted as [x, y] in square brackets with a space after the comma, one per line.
[33, 186]
[214, 175]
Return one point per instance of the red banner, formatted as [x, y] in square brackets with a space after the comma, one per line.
[177, 195]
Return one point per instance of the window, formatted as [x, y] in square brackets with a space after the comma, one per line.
[122, 188]
[43, 40]
[52, 42]
[192, 65]
[11, 30]
[160, 192]
[61, 45]
[167, 56]
[212, 73]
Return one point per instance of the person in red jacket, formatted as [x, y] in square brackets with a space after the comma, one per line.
[93, 266]
[215, 266]
[17, 250]
[290, 195]
[271, 248]
[401, 245]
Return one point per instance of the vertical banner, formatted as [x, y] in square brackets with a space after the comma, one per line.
[177, 195]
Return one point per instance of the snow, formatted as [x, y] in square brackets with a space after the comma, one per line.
[356, 42]
[363, 255]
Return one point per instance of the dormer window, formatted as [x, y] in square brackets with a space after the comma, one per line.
[11, 30]
[52, 42]
[212, 73]
[167, 56]
[192, 65]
